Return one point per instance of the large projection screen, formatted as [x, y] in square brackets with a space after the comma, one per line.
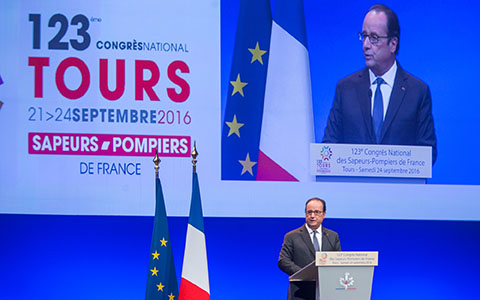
[90, 90]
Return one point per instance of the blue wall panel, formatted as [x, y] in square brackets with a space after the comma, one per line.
[79, 257]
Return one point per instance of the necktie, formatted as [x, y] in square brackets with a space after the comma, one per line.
[315, 241]
[378, 109]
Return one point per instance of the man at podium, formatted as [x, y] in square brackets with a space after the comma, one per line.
[299, 246]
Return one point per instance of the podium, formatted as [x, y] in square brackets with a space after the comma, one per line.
[335, 276]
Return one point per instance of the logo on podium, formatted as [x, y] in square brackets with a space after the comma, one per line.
[346, 282]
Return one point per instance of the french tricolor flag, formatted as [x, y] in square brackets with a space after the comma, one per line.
[194, 284]
[287, 124]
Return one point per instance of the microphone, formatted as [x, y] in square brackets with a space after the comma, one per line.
[369, 94]
[326, 235]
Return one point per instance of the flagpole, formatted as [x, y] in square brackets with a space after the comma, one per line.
[195, 283]
[162, 279]
[194, 155]
[156, 161]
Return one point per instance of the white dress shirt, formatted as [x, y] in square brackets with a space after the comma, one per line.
[386, 87]
[319, 235]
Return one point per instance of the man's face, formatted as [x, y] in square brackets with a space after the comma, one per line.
[314, 214]
[380, 57]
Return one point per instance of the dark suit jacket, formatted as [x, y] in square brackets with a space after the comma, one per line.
[297, 249]
[408, 120]
[297, 252]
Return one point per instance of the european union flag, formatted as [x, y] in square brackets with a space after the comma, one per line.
[162, 280]
[269, 116]
[244, 108]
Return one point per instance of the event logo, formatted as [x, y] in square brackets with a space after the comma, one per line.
[346, 282]
[323, 258]
[323, 164]
[326, 153]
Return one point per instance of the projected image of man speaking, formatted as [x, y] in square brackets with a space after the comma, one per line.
[382, 103]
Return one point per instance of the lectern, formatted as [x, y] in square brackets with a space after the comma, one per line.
[335, 276]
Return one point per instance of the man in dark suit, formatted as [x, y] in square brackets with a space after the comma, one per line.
[299, 246]
[381, 104]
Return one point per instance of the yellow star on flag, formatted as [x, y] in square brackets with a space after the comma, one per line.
[257, 54]
[154, 271]
[247, 165]
[238, 86]
[171, 296]
[155, 255]
[234, 126]
[164, 242]
[160, 287]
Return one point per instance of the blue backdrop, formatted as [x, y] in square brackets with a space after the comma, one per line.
[98, 257]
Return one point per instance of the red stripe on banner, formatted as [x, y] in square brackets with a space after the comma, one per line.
[268, 170]
[189, 291]
[108, 144]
